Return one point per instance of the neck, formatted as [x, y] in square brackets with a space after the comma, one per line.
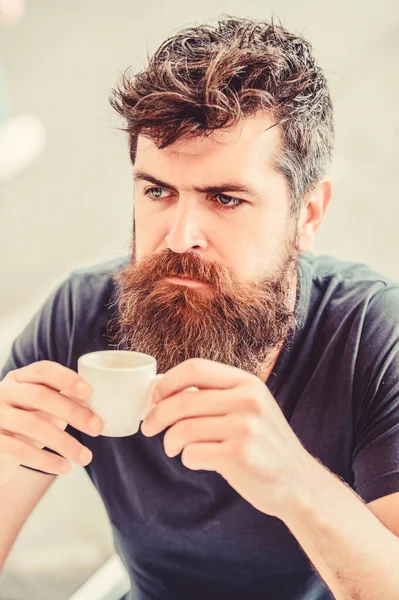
[270, 364]
[268, 368]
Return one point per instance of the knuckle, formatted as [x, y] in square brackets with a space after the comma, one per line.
[37, 393]
[8, 376]
[58, 463]
[78, 416]
[255, 402]
[41, 368]
[31, 421]
[249, 427]
[183, 429]
[6, 387]
[37, 368]
[9, 448]
[159, 413]
[243, 451]
[195, 366]
[64, 444]
[232, 452]
[2, 416]
[21, 453]
[52, 462]
[180, 404]
[44, 365]
[5, 418]
[75, 412]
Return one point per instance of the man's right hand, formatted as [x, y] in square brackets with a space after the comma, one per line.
[37, 402]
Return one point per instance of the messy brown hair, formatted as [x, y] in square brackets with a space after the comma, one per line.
[207, 77]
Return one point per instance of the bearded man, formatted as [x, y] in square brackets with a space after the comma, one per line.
[279, 477]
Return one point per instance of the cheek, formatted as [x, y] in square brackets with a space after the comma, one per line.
[240, 250]
[147, 235]
[258, 249]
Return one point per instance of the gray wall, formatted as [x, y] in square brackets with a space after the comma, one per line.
[74, 205]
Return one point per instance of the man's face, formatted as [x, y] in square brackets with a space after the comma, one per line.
[243, 229]
[213, 271]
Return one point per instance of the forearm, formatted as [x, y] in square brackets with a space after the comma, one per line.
[353, 552]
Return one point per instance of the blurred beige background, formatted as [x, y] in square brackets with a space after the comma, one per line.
[73, 206]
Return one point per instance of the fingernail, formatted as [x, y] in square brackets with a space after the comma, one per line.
[83, 390]
[85, 456]
[96, 425]
[156, 395]
[65, 468]
[144, 429]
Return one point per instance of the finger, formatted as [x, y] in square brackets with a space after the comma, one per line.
[185, 405]
[53, 375]
[35, 396]
[199, 372]
[205, 429]
[207, 456]
[156, 399]
[29, 456]
[26, 439]
[50, 418]
[18, 421]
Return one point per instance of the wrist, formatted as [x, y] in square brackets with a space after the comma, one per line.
[310, 487]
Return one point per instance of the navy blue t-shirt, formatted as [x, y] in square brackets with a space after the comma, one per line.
[185, 534]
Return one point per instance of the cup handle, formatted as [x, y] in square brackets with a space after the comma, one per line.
[148, 405]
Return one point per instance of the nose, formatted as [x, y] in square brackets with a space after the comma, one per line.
[185, 233]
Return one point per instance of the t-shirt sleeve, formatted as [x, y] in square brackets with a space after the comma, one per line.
[47, 336]
[376, 398]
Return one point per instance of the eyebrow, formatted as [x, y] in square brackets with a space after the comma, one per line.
[209, 189]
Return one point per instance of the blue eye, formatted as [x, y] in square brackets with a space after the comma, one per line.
[155, 193]
[225, 200]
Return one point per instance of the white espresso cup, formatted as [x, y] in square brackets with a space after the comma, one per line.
[123, 383]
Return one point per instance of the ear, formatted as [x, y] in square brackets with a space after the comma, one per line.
[312, 214]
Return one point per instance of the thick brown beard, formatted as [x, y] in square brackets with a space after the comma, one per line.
[235, 323]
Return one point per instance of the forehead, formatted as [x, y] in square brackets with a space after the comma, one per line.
[251, 145]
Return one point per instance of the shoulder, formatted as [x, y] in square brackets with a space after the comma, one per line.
[86, 298]
[326, 267]
[347, 305]
[345, 284]
[94, 282]
[100, 271]
[92, 307]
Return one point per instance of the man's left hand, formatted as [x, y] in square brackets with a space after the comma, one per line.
[231, 425]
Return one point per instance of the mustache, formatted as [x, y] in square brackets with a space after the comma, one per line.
[189, 265]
